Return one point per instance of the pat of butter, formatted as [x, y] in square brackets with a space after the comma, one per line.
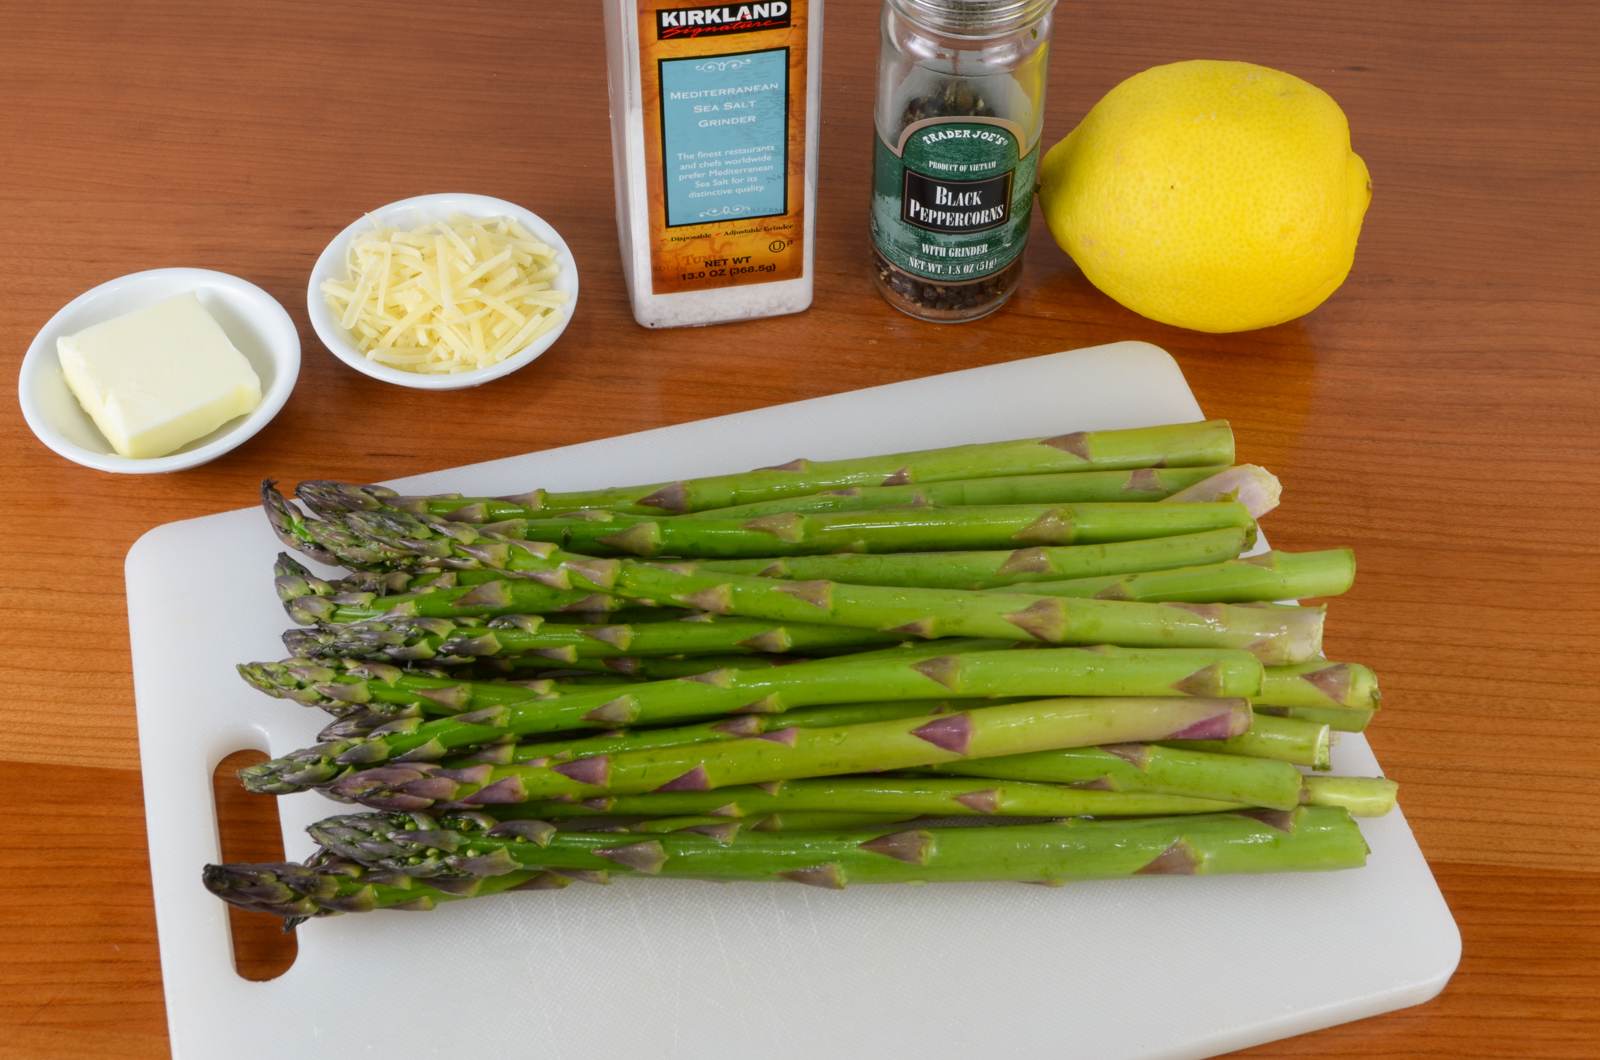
[158, 378]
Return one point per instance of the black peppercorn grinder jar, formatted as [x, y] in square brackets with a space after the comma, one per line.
[960, 107]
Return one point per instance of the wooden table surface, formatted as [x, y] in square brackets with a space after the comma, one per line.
[1441, 413]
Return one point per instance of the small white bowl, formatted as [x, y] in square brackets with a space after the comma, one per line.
[252, 318]
[414, 213]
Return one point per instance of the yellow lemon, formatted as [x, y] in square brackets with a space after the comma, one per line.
[1218, 196]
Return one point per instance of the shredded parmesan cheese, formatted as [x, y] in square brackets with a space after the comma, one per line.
[453, 296]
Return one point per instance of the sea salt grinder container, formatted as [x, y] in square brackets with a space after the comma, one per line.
[714, 121]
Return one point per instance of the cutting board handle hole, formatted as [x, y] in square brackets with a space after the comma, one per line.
[249, 830]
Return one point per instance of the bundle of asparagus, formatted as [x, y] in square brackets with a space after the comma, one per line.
[799, 672]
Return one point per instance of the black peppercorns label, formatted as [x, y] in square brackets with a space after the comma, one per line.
[951, 200]
[955, 205]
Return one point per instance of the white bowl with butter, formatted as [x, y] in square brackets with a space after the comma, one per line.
[415, 213]
[165, 397]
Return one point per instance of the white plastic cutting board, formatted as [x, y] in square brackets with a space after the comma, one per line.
[1149, 967]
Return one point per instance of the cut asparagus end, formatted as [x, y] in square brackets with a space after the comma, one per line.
[1361, 796]
[1252, 486]
[1289, 635]
[1321, 683]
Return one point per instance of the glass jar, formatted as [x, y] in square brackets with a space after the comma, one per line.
[960, 106]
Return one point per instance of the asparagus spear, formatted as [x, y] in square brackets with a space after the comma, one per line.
[1255, 487]
[918, 673]
[451, 594]
[1148, 769]
[1174, 445]
[404, 640]
[709, 535]
[1273, 634]
[959, 796]
[991, 569]
[791, 753]
[1279, 695]
[1264, 577]
[309, 599]
[1142, 484]
[890, 530]
[387, 693]
[1268, 576]
[1256, 768]
[1150, 575]
[939, 796]
[818, 804]
[476, 845]
[740, 726]
[1311, 838]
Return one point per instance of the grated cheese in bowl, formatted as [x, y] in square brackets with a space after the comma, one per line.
[451, 296]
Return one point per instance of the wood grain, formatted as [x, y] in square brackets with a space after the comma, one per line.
[1440, 413]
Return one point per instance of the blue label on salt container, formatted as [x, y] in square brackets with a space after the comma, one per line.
[725, 136]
